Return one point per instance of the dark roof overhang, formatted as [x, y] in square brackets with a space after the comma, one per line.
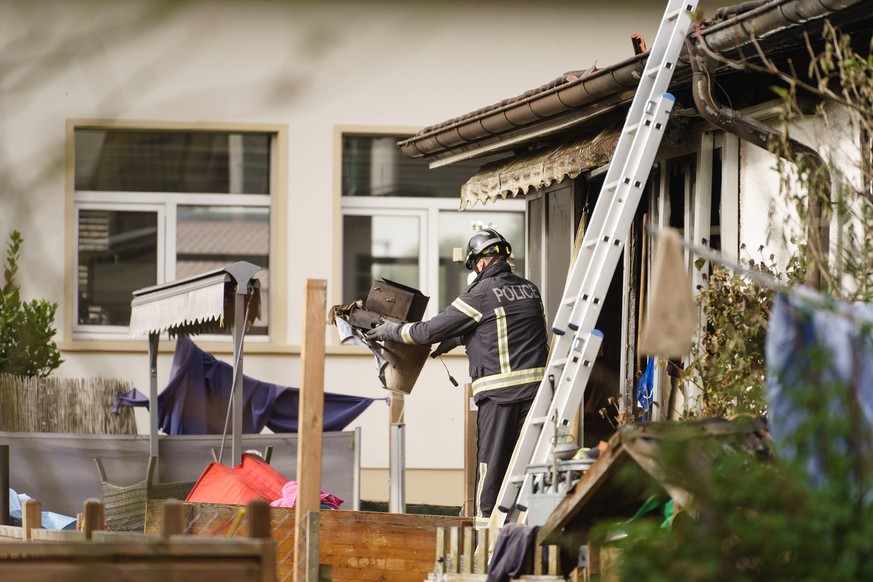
[576, 99]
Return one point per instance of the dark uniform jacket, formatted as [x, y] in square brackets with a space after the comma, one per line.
[499, 318]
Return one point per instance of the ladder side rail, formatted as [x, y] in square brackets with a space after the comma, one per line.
[656, 79]
[535, 422]
[660, 63]
[564, 400]
[535, 438]
[568, 397]
[618, 219]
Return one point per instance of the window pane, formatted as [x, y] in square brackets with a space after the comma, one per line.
[212, 237]
[456, 229]
[379, 247]
[375, 166]
[172, 161]
[117, 255]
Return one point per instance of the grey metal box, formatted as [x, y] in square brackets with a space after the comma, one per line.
[396, 301]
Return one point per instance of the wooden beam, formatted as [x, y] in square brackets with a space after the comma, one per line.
[310, 424]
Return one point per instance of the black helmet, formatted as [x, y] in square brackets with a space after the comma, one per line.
[486, 242]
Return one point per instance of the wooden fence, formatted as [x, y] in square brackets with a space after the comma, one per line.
[90, 553]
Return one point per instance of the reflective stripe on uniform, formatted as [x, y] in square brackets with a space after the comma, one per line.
[467, 310]
[483, 470]
[507, 379]
[405, 333]
[502, 340]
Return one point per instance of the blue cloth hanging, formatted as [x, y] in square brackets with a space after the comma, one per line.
[196, 396]
[645, 389]
[838, 336]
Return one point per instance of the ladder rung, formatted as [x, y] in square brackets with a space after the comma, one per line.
[559, 363]
[538, 420]
[632, 128]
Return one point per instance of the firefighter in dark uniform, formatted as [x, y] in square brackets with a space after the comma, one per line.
[500, 320]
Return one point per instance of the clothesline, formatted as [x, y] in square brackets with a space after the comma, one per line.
[816, 298]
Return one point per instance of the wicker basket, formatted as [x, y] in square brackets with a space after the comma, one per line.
[125, 506]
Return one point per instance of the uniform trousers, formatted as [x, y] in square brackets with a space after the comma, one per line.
[498, 427]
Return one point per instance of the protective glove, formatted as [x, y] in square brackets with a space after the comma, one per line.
[445, 347]
[387, 330]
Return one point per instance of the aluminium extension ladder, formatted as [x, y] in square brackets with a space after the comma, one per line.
[572, 357]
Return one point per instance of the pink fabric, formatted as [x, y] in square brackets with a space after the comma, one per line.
[289, 497]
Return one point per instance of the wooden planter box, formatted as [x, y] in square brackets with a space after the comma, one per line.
[359, 546]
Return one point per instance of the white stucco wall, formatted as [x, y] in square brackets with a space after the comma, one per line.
[310, 66]
[767, 215]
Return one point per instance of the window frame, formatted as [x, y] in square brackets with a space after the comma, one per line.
[275, 201]
[428, 207]
[428, 211]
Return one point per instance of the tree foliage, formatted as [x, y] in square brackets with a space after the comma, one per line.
[727, 361]
[26, 328]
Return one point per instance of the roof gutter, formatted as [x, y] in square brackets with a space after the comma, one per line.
[574, 100]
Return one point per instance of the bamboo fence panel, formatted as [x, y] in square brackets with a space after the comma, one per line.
[63, 405]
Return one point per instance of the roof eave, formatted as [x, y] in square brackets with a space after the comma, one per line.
[580, 100]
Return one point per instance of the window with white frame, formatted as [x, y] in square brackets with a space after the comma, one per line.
[401, 220]
[158, 205]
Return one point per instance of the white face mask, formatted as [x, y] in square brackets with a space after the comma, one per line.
[471, 276]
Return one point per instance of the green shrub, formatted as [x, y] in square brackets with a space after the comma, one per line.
[26, 328]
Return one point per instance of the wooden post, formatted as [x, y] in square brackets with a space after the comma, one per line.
[453, 556]
[310, 424]
[259, 520]
[172, 519]
[480, 556]
[440, 564]
[470, 464]
[31, 518]
[467, 556]
[93, 517]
